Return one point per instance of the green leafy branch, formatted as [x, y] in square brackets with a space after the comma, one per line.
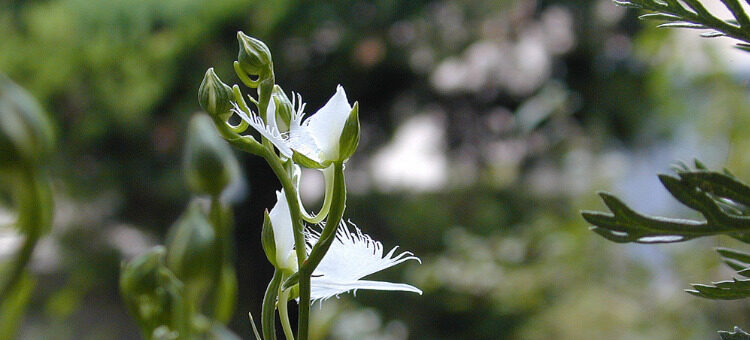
[692, 14]
[720, 197]
[724, 202]
[731, 289]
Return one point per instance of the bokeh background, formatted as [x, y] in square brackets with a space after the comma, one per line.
[486, 127]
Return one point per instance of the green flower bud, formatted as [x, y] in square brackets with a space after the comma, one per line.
[350, 134]
[141, 275]
[192, 250]
[210, 165]
[26, 132]
[267, 239]
[284, 108]
[151, 292]
[254, 56]
[214, 96]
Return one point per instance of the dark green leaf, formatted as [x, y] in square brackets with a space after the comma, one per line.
[723, 290]
[720, 198]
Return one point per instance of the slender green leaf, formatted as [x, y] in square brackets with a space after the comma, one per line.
[723, 290]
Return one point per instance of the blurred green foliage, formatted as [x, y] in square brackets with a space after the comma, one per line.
[531, 106]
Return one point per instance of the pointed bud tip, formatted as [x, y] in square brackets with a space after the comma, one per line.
[214, 96]
[254, 57]
[349, 140]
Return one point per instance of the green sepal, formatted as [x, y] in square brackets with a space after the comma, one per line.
[306, 162]
[214, 96]
[254, 56]
[349, 139]
[267, 239]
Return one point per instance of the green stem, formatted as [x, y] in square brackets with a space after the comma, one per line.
[268, 311]
[284, 314]
[338, 205]
[243, 76]
[299, 237]
[244, 143]
[221, 230]
[34, 217]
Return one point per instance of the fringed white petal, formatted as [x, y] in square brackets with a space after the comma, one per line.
[352, 256]
[300, 138]
[322, 289]
[270, 131]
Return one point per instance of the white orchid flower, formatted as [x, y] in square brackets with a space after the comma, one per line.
[352, 256]
[317, 138]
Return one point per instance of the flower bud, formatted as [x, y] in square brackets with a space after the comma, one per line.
[214, 96]
[151, 291]
[210, 165]
[26, 132]
[254, 56]
[284, 108]
[350, 134]
[192, 250]
[141, 275]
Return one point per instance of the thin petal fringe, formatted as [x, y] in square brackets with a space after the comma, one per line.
[323, 290]
[272, 133]
[338, 274]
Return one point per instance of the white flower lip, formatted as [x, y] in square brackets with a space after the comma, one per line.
[352, 256]
[317, 137]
